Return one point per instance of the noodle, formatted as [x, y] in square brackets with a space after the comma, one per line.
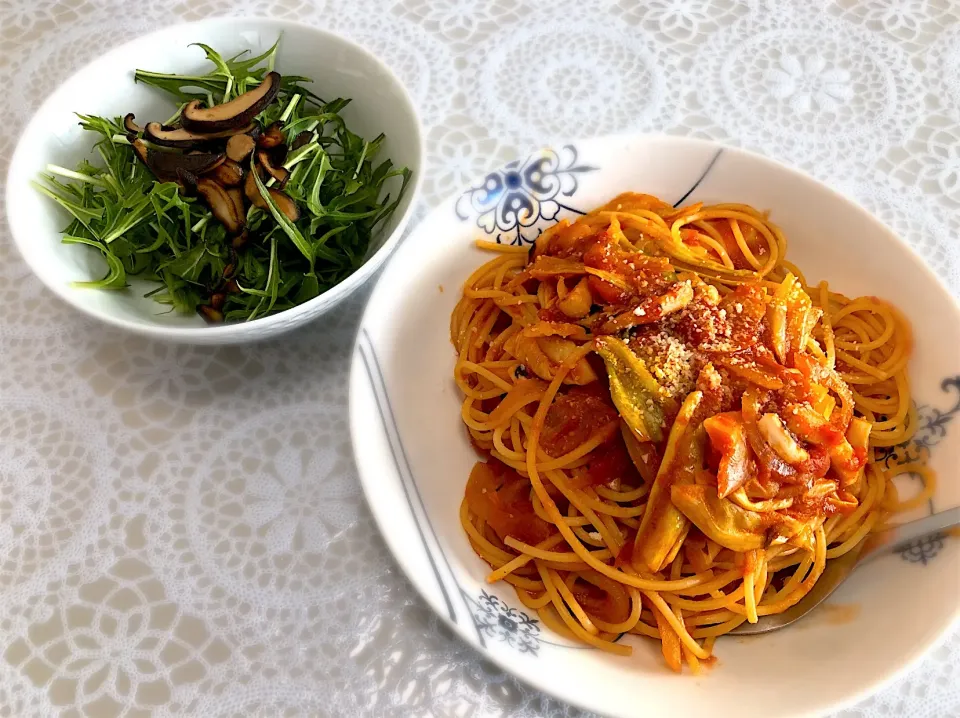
[679, 430]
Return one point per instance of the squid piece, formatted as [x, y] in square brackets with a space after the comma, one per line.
[634, 390]
[810, 425]
[528, 351]
[721, 520]
[652, 309]
[558, 350]
[578, 301]
[848, 453]
[795, 532]
[545, 354]
[777, 438]
[858, 433]
[777, 318]
[676, 298]
[728, 438]
[843, 502]
[848, 458]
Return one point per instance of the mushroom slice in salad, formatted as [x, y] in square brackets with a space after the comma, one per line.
[185, 139]
[235, 113]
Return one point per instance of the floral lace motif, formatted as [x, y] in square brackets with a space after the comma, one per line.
[181, 528]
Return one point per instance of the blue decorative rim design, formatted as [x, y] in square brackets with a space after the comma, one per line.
[924, 550]
[931, 430]
[513, 205]
[498, 620]
[513, 202]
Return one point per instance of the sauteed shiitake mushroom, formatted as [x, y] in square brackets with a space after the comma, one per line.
[227, 136]
[254, 197]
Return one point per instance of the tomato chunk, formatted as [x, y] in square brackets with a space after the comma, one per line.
[501, 497]
[576, 416]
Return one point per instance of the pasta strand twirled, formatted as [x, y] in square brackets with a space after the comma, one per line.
[678, 430]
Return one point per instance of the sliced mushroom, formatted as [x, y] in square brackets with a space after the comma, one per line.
[271, 137]
[187, 181]
[142, 151]
[165, 165]
[284, 203]
[168, 163]
[220, 204]
[129, 125]
[228, 173]
[278, 154]
[238, 242]
[211, 315]
[217, 300]
[236, 196]
[184, 139]
[280, 174]
[302, 139]
[253, 193]
[239, 147]
[236, 113]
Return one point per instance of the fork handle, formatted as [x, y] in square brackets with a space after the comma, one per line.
[897, 537]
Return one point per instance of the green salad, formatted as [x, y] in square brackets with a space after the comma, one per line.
[253, 197]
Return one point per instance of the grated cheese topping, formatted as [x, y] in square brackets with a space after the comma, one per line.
[671, 362]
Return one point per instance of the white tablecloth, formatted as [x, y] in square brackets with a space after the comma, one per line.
[182, 530]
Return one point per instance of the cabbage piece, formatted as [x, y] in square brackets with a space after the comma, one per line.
[634, 390]
[663, 527]
[720, 519]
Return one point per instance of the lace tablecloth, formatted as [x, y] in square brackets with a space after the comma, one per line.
[182, 530]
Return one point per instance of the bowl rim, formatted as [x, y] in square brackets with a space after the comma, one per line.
[368, 482]
[238, 331]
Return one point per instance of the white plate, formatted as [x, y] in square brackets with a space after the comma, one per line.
[414, 457]
[338, 68]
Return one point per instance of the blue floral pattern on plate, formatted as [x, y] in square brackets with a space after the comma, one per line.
[923, 550]
[931, 430]
[496, 619]
[510, 202]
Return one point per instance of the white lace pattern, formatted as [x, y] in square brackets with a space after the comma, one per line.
[181, 529]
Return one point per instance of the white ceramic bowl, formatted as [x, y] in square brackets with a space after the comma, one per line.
[414, 457]
[338, 68]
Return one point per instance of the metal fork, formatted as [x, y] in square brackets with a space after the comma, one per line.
[839, 569]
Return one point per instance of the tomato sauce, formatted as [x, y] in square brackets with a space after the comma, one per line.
[501, 497]
[575, 416]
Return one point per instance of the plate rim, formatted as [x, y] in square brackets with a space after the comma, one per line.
[368, 483]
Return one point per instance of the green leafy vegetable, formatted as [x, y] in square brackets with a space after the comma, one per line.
[151, 229]
[635, 392]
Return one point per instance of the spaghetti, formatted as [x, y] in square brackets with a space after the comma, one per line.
[678, 429]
